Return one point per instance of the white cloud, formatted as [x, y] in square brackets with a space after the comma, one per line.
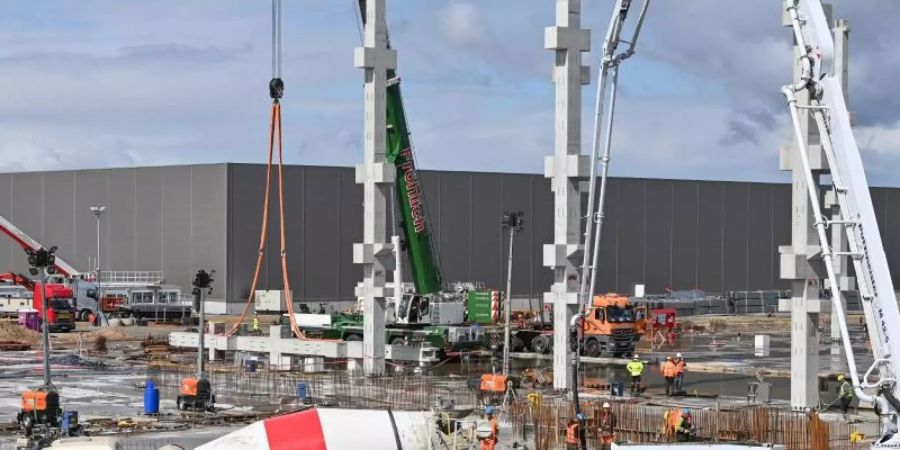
[462, 23]
[106, 83]
[884, 139]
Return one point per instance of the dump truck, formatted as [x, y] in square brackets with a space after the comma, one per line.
[611, 325]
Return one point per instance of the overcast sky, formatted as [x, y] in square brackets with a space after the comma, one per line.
[111, 83]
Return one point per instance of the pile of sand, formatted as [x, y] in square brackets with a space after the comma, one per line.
[11, 331]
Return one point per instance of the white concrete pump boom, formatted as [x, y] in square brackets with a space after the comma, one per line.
[857, 215]
[27, 242]
[610, 61]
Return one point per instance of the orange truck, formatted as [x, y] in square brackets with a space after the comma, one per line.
[611, 325]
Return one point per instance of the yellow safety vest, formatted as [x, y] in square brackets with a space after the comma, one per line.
[635, 368]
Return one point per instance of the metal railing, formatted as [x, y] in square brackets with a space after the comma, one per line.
[131, 278]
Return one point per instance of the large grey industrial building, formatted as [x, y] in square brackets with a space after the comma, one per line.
[715, 236]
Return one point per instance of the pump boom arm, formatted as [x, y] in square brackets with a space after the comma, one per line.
[832, 120]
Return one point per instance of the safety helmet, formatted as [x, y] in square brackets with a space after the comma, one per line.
[606, 404]
[581, 417]
[841, 377]
[488, 410]
[635, 356]
[678, 355]
[669, 357]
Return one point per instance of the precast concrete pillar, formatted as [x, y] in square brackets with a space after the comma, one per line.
[567, 170]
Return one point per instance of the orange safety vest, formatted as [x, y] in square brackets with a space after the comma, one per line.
[668, 369]
[572, 434]
[672, 418]
[495, 428]
[679, 366]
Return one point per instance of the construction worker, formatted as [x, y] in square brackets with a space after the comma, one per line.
[490, 442]
[684, 431]
[845, 394]
[668, 372]
[254, 328]
[606, 427]
[671, 419]
[679, 373]
[572, 430]
[635, 368]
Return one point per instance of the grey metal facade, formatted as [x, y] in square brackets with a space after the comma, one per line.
[714, 236]
[171, 218]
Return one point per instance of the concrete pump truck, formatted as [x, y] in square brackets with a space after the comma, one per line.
[818, 96]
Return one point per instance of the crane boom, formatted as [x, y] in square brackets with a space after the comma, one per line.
[18, 279]
[857, 215]
[29, 243]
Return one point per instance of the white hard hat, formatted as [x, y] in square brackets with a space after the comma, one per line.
[635, 356]
[678, 355]
[606, 404]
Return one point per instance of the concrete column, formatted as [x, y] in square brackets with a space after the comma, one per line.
[567, 169]
[313, 364]
[804, 346]
[800, 262]
[279, 361]
[376, 176]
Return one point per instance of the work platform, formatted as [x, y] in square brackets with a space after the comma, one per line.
[281, 346]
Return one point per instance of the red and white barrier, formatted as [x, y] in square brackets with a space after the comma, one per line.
[495, 306]
[332, 429]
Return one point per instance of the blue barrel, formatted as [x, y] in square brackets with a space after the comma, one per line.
[616, 389]
[301, 392]
[151, 398]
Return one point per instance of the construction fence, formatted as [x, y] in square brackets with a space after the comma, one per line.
[334, 388]
[545, 424]
[540, 421]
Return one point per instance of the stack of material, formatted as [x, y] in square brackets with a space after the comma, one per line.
[13, 334]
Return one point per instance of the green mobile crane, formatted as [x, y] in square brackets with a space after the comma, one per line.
[429, 313]
[418, 307]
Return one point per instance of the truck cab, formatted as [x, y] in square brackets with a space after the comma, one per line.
[61, 307]
[611, 325]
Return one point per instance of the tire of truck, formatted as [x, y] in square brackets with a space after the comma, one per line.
[541, 344]
[516, 344]
[396, 340]
[83, 315]
[353, 338]
[592, 347]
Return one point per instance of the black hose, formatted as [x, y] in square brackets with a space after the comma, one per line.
[582, 437]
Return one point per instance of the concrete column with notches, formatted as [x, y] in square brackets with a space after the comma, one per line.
[376, 176]
[567, 169]
[801, 261]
